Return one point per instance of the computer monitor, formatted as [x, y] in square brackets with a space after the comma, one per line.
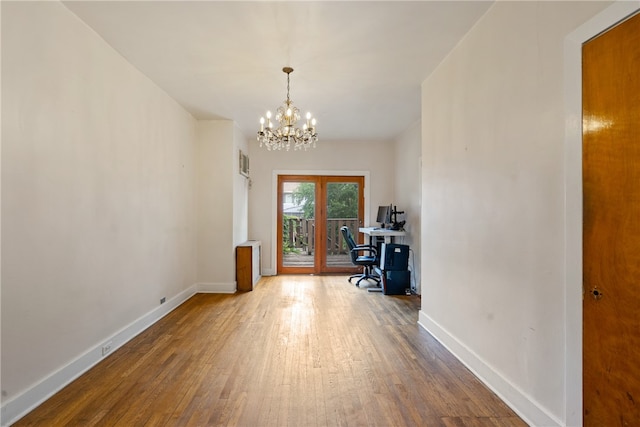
[384, 215]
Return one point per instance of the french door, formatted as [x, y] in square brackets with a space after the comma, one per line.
[311, 211]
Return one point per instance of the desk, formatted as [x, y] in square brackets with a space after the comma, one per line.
[374, 234]
[386, 233]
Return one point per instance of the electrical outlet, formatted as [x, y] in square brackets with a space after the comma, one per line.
[162, 300]
[106, 348]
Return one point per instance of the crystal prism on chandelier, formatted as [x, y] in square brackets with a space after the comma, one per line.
[287, 134]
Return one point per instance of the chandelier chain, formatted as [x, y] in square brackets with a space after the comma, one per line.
[288, 100]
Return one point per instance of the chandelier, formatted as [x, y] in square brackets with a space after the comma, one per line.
[287, 134]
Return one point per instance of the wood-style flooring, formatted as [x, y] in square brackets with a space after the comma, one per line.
[296, 351]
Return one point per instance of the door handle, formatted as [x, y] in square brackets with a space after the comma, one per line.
[596, 293]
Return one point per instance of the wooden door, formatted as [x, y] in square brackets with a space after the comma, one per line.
[297, 217]
[342, 201]
[611, 227]
[311, 210]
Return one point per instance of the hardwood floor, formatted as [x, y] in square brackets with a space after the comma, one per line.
[296, 351]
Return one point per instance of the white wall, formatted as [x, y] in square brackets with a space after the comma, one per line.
[240, 190]
[222, 204]
[98, 199]
[493, 202]
[329, 157]
[215, 205]
[408, 193]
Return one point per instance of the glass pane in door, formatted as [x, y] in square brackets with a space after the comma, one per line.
[298, 224]
[342, 209]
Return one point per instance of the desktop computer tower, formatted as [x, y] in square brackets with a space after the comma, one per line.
[396, 282]
[394, 257]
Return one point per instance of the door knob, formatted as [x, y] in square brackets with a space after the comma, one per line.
[596, 293]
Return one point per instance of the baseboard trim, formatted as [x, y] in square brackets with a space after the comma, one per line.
[25, 402]
[522, 404]
[216, 288]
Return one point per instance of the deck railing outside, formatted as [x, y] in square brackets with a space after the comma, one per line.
[299, 234]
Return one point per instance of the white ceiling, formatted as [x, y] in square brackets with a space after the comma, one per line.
[358, 65]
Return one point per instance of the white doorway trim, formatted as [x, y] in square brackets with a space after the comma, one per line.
[274, 202]
[617, 12]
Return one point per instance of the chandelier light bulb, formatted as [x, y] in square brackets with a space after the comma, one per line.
[287, 131]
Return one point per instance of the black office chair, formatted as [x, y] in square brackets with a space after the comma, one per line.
[361, 255]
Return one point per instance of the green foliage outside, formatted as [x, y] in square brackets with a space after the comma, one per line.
[286, 245]
[305, 195]
[342, 200]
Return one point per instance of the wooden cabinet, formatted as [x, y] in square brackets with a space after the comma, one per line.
[248, 265]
